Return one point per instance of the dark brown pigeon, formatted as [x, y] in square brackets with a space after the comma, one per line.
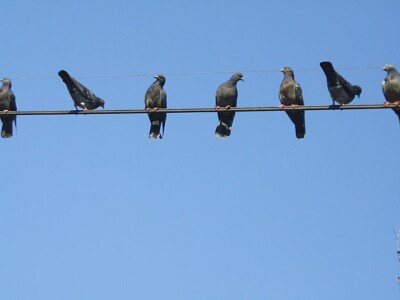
[341, 90]
[290, 94]
[156, 98]
[226, 97]
[7, 103]
[82, 96]
[391, 88]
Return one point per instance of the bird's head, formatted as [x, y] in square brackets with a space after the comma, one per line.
[237, 76]
[388, 68]
[161, 79]
[287, 70]
[357, 90]
[102, 103]
[6, 81]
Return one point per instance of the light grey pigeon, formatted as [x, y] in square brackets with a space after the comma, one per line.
[7, 103]
[226, 97]
[391, 88]
[290, 93]
[156, 98]
[82, 96]
[341, 90]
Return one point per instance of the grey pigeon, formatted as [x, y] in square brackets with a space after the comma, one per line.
[82, 96]
[7, 103]
[156, 98]
[226, 97]
[341, 90]
[290, 93]
[391, 88]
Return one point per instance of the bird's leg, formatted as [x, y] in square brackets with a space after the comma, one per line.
[281, 106]
[85, 109]
[156, 108]
[387, 104]
[217, 107]
[227, 107]
[148, 108]
[5, 111]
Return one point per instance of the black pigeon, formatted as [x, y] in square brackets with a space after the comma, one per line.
[7, 103]
[391, 88]
[290, 94]
[156, 98]
[226, 97]
[341, 90]
[82, 96]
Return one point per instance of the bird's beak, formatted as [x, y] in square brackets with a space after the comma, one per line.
[242, 79]
[156, 77]
[281, 70]
[1, 80]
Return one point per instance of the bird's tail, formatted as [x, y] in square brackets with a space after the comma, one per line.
[155, 130]
[397, 112]
[222, 130]
[300, 131]
[7, 129]
[329, 71]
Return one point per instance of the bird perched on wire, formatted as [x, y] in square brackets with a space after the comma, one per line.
[156, 98]
[82, 96]
[290, 94]
[340, 89]
[391, 88]
[7, 103]
[226, 98]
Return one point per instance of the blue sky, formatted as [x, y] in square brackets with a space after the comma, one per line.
[93, 209]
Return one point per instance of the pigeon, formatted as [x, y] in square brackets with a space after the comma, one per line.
[82, 96]
[341, 90]
[290, 94]
[7, 103]
[226, 97]
[391, 88]
[156, 98]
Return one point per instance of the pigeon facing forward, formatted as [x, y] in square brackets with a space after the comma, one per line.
[82, 96]
[226, 97]
[156, 98]
[341, 90]
[7, 103]
[391, 88]
[290, 93]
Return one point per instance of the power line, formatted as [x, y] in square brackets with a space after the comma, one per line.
[198, 110]
[193, 73]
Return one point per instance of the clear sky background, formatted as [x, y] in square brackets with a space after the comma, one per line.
[92, 209]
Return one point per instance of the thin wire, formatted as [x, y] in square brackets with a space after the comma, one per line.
[198, 110]
[194, 73]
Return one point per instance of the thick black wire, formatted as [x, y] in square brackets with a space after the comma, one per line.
[198, 110]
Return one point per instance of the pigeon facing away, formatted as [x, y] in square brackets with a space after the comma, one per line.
[290, 93]
[226, 97]
[391, 88]
[156, 98]
[82, 96]
[7, 103]
[341, 90]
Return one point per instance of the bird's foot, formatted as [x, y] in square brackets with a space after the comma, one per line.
[387, 104]
[397, 103]
[5, 111]
[156, 108]
[281, 106]
[294, 105]
[148, 108]
[227, 107]
[217, 107]
[85, 109]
